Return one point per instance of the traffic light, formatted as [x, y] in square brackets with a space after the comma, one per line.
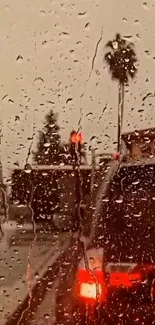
[75, 146]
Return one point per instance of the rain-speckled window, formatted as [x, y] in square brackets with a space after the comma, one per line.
[77, 162]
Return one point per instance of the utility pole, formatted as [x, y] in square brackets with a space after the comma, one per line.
[1, 168]
[75, 149]
[1, 187]
[93, 163]
[1, 172]
[3, 197]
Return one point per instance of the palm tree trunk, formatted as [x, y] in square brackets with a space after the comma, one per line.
[2, 190]
[1, 168]
[120, 114]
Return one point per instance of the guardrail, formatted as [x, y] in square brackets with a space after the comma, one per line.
[141, 161]
[57, 167]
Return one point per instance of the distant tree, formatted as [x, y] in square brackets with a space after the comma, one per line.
[121, 60]
[49, 147]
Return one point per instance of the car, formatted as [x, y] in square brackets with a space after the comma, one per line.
[114, 282]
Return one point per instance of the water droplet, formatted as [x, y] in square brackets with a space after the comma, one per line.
[17, 118]
[82, 13]
[36, 275]
[69, 100]
[42, 12]
[38, 80]
[7, 7]
[145, 5]
[50, 268]
[64, 34]
[47, 144]
[119, 201]
[44, 43]
[2, 278]
[128, 36]
[10, 101]
[147, 52]
[16, 251]
[138, 215]
[19, 58]
[97, 72]
[46, 316]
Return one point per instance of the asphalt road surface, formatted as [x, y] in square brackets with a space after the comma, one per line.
[56, 300]
[23, 267]
[51, 294]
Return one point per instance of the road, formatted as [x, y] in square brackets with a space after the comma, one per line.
[51, 291]
[46, 312]
[57, 297]
[23, 265]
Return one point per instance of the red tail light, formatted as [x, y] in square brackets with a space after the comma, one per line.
[90, 286]
[126, 280]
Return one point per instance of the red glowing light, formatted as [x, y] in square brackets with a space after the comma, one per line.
[76, 137]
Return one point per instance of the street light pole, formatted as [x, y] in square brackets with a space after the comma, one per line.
[1, 171]
[3, 194]
[92, 168]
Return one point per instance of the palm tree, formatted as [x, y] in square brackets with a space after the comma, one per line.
[121, 60]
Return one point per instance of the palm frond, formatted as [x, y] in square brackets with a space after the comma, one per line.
[118, 37]
[110, 44]
[121, 59]
[108, 57]
[131, 45]
[122, 43]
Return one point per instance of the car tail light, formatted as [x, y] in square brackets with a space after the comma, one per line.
[126, 280]
[90, 286]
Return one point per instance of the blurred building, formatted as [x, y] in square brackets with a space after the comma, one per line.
[54, 188]
[104, 159]
[139, 144]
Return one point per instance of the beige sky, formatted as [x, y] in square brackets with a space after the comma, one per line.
[56, 41]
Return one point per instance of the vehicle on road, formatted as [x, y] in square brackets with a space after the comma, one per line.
[114, 281]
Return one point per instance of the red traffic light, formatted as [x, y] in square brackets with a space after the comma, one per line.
[76, 137]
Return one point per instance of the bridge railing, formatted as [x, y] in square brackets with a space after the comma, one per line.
[56, 167]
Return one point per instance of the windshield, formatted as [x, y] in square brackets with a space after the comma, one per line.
[129, 217]
[77, 94]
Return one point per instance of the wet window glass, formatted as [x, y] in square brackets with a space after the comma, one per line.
[77, 162]
[128, 220]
